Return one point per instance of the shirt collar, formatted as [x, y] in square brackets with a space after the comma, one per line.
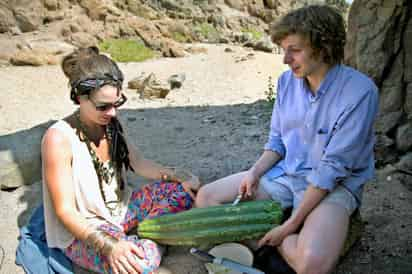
[326, 82]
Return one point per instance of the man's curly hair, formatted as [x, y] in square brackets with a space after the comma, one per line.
[322, 26]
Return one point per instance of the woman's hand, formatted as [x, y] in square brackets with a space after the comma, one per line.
[249, 184]
[122, 258]
[191, 186]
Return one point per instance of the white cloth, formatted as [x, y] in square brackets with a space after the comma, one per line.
[89, 200]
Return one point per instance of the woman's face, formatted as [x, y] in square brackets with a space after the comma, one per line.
[101, 105]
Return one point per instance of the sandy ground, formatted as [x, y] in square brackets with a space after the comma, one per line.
[216, 124]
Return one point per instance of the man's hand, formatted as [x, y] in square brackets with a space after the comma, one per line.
[249, 185]
[122, 258]
[275, 236]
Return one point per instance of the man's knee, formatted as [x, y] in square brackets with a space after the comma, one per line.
[314, 262]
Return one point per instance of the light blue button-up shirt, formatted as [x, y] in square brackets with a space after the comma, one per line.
[328, 138]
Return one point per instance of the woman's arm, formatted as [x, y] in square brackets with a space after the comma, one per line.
[57, 170]
[154, 171]
[56, 161]
[147, 168]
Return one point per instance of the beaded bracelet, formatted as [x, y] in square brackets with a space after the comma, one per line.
[169, 178]
[101, 241]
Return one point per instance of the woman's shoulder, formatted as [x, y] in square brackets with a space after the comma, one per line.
[58, 135]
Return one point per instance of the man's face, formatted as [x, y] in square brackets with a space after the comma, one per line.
[298, 54]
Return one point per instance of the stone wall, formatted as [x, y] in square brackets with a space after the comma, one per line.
[379, 43]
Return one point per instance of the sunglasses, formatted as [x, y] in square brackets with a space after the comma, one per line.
[107, 106]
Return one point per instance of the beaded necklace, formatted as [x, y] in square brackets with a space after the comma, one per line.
[105, 172]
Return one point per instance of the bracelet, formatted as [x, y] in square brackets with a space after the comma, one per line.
[168, 178]
[165, 177]
[101, 241]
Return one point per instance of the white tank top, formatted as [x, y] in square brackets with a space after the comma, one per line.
[89, 201]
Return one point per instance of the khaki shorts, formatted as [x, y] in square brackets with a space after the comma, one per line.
[289, 192]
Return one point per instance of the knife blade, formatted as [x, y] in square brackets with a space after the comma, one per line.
[237, 200]
[203, 255]
[244, 269]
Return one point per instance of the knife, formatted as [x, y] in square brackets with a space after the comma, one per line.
[244, 269]
[237, 199]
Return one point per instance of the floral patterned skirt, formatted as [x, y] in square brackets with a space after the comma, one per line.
[150, 201]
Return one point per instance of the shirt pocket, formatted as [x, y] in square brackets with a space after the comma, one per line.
[319, 146]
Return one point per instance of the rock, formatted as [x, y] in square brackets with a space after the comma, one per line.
[4, 59]
[141, 10]
[51, 4]
[33, 58]
[368, 31]
[171, 48]
[404, 166]
[384, 150]
[272, 4]
[404, 137]
[387, 121]
[74, 27]
[82, 39]
[149, 87]
[7, 20]
[217, 20]
[96, 9]
[15, 30]
[407, 44]
[385, 171]
[53, 16]
[50, 46]
[137, 82]
[243, 37]
[265, 44]
[29, 17]
[405, 163]
[196, 50]
[147, 31]
[256, 10]
[20, 157]
[236, 4]
[176, 80]
[378, 42]
[408, 101]
[224, 40]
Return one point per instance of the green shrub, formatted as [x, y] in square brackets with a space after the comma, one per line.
[208, 31]
[180, 37]
[270, 92]
[122, 50]
[256, 35]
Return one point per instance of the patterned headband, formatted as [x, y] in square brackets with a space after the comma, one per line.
[85, 86]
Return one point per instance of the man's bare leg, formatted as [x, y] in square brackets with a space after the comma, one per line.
[223, 191]
[317, 247]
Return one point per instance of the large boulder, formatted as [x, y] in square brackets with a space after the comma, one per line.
[38, 52]
[20, 157]
[378, 44]
[408, 101]
[28, 14]
[28, 57]
[375, 29]
[7, 20]
[99, 9]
